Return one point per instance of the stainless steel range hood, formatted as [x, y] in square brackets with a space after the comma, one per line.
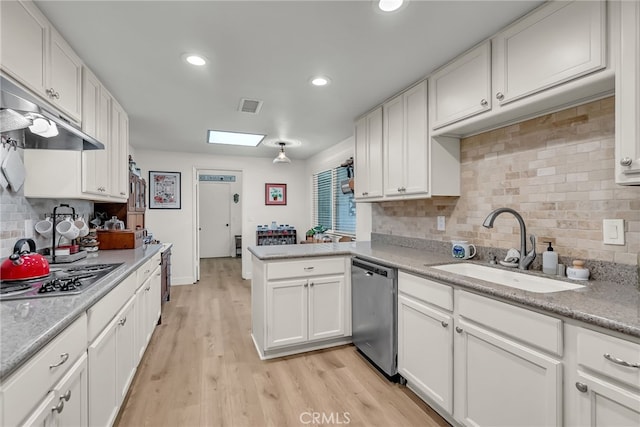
[18, 110]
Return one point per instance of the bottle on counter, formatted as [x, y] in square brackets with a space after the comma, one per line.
[550, 261]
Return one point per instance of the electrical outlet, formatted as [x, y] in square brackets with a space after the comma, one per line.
[440, 226]
[613, 231]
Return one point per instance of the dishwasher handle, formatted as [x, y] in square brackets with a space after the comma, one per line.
[371, 268]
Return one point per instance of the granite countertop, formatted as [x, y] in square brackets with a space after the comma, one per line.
[608, 304]
[27, 325]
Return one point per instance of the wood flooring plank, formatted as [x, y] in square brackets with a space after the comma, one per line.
[201, 369]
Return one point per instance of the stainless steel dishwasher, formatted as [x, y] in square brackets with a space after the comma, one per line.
[374, 302]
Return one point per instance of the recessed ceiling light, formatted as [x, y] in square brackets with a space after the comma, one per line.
[320, 81]
[234, 138]
[195, 60]
[390, 5]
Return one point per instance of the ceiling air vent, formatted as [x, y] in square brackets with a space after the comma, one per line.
[252, 106]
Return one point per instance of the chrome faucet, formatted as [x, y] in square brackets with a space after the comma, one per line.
[525, 258]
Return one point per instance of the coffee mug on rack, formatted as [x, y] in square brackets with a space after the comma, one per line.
[82, 226]
[462, 249]
[67, 229]
[44, 227]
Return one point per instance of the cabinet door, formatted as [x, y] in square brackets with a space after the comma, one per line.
[326, 307]
[368, 155]
[155, 299]
[90, 103]
[73, 392]
[416, 144]
[126, 353]
[498, 382]
[463, 88]
[142, 315]
[65, 77]
[103, 381]
[603, 404]
[393, 118]
[24, 37]
[43, 416]
[557, 43]
[119, 152]
[96, 164]
[286, 312]
[627, 159]
[425, 350]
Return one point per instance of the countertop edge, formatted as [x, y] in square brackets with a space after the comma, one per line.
[9, 366]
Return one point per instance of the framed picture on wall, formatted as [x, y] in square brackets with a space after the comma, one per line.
[275, 194]
[164, 190]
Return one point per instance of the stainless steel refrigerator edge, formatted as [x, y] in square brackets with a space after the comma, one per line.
[374, 313]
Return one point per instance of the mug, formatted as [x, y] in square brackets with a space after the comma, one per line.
[44, 227]
[82, 226]
[68, 229]
[462, 249]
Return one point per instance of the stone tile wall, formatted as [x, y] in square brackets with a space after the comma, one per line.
[18, 212]
[556, 170]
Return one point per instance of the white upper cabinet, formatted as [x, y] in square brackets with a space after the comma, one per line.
[462, 88]
[405, 142]
[368, 158]
[36, 55]
[557, 43]
[628, 96]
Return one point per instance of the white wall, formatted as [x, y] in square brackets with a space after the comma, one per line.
[178, 225]
[330, 158]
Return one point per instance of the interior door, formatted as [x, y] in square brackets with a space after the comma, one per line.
[215, 235]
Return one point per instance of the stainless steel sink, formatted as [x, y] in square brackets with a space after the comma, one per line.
[513, 279]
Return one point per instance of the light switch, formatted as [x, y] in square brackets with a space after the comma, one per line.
[440, 225]
[613, 231]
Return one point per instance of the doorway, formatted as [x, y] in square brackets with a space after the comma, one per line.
[215, 231]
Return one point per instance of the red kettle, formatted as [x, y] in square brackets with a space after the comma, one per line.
[23, 265]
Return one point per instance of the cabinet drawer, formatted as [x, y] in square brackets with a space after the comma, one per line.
[542, 331]
[426, 290]
[99, 315]
[31, 383]
[305, 268]
[592, 348]
[147, 268]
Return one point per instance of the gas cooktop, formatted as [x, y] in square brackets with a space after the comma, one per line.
[61, 281]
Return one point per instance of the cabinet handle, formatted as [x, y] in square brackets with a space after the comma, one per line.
[59, 407]
[66, 396]
[499, 96]
[582, 387]
[444, 324]
[50, 92]
[626, 161]
[308, 268]
[458, 329]
[306, 284]
[620, 361]
[365, 193]
[122, 321]
[311, 284]
[56, 95]
[122, 193]
[63, 358]
[484, 102]
[147, 288]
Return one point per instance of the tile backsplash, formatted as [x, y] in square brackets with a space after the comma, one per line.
[18, 213]
[557, 171]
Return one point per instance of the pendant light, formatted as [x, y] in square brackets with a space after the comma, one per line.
[282, 157]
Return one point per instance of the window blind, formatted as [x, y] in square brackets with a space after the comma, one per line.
[331, 207]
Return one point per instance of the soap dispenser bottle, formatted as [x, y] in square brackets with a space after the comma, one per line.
[549, 261]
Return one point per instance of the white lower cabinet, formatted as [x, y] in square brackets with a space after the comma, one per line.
[111, 366]
[300, 305]
[425, 341]
[602, 386]
[305, 310]
[148, 310]
[499, 382]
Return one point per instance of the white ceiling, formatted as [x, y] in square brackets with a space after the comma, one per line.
[265, 50]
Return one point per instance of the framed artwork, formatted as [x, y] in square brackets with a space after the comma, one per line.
[275, 194]
[164, 190]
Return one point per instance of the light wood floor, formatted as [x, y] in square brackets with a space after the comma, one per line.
[202, 369]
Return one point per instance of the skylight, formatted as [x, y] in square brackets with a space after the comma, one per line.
[234, 138]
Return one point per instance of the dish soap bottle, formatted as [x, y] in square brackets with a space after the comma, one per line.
[549, 261]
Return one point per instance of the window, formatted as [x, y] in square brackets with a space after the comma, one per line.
[332, 208]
